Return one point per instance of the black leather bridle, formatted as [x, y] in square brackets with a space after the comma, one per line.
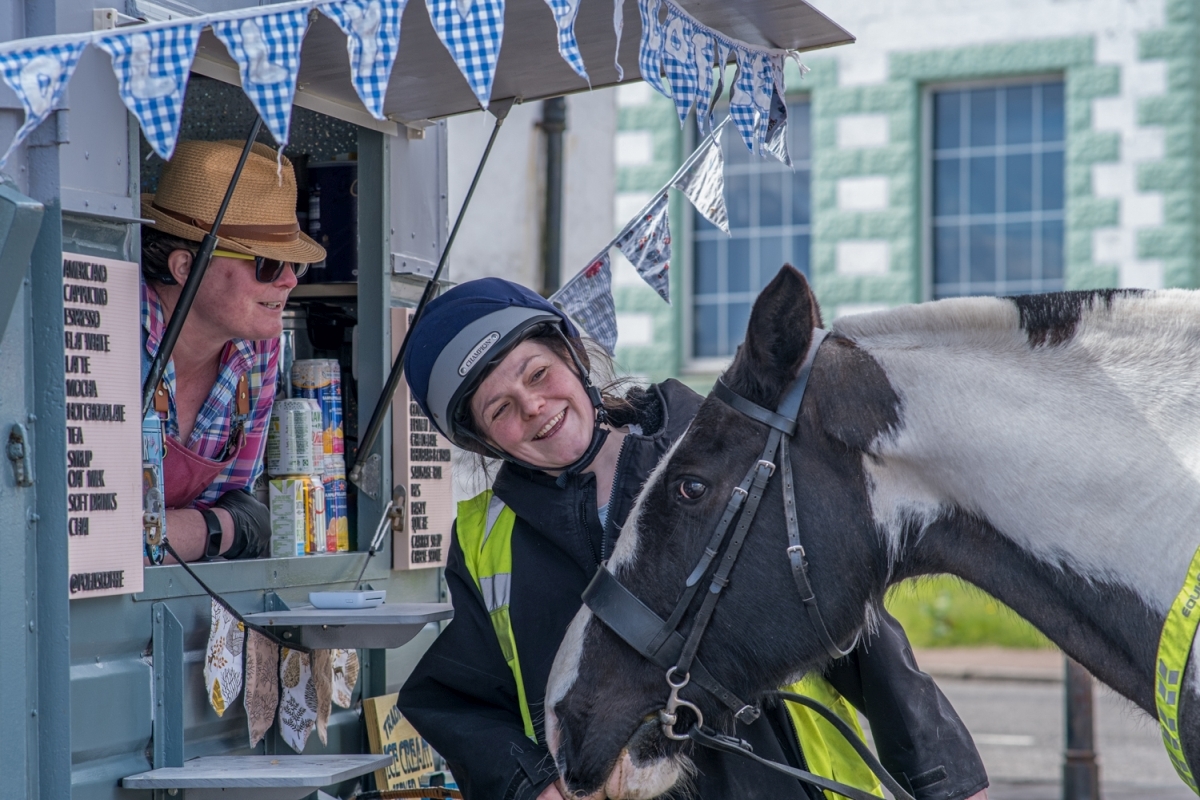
[660, 641]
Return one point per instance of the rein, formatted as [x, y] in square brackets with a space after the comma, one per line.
[660, 641]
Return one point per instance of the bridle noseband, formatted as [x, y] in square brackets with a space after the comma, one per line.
[658, 639]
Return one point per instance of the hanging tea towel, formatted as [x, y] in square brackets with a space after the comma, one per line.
[262, 685]
[298, 702]
[345, 676]
[322, 677]
[223, 662]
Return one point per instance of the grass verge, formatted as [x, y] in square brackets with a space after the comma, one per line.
[944, 611]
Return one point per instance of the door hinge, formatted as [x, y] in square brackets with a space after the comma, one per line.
[18, 453]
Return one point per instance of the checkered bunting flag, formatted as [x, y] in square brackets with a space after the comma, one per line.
[372, 29]
[679, 62]
[565, 12]
[267, 51]
[39, 76]
[152, 70]
[650, 53]
[646, 242]
[743, 109]
[473, 41]
[588, 299]
[702, 46]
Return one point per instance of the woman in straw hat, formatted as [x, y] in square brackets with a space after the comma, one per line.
[219, 385]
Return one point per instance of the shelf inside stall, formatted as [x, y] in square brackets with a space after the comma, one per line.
[271, 777]
[383, 627]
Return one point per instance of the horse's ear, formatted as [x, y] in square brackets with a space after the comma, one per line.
[777, 338]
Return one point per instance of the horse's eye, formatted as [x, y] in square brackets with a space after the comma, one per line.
[692, 489]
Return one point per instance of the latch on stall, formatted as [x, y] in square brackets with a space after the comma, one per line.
[18, 453]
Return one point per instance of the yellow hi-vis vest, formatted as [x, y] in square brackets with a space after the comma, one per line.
[484, 530]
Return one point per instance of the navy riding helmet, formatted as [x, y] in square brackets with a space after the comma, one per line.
[465, 331]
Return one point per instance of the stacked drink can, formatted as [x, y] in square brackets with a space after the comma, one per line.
[321, 380]
[296, 495]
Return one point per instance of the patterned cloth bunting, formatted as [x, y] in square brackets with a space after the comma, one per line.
[588, 299]
[267, 51]
[152, 69]
[262, 685]
[39, 76]
[322, 672]
[679, 62]
[298, 701]
[345, 676]
[646, 242]
[372, 29]
[742, 108]
[650, 52]
[618, 29]
[565, 12]
[702, 46]
[473, 42]
[223, 661]
[704, 182]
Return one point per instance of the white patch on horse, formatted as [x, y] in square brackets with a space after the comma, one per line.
[564, 671]
[625, 551]
[1026, 437]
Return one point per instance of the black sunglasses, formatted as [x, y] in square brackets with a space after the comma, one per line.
[266, 270]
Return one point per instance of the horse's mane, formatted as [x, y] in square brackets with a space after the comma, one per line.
[1039, 319]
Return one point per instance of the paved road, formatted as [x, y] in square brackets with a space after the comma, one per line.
[1018, 727]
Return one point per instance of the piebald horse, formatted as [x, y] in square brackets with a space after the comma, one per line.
[1044, 448]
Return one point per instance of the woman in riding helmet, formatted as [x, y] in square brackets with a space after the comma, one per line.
[503, 373]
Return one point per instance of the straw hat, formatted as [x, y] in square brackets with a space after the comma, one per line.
[261, 218]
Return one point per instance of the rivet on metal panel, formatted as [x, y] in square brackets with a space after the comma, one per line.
[31, 628]
[33, 713]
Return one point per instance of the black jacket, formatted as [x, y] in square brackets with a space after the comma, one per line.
[463, 699]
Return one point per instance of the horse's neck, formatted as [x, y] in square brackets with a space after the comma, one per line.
[1085, 454]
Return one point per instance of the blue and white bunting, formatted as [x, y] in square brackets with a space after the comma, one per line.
[702, 46]
[473, 41]
[266, 49]
[646, 242]
[372, 29]
[650, 51]
[39, 76]
[588, 299]
[565, 12]
[679, 62]
[152, 69]
[743, 109]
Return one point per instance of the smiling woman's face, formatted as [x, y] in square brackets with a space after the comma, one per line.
[534, 407]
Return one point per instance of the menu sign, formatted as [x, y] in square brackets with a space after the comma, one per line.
[101, 314]
[421, 459]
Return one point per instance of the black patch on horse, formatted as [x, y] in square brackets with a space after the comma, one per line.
[1051, 319]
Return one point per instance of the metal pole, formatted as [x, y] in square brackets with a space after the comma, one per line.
[554, 122]
[199, 266]
[367, 440]
[1081, 775]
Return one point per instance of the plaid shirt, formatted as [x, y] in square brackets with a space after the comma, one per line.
[210, 435]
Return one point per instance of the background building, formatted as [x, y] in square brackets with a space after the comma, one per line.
[959, 147]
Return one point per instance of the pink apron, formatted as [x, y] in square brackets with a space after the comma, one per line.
[185, 474]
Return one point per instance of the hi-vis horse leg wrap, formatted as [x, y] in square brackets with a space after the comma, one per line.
[1174, 646]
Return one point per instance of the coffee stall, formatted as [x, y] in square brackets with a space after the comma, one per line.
[105, 657]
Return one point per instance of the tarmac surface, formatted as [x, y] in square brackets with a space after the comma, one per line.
[1013, 703]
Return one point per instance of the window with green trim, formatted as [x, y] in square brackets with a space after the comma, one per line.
[997, 180]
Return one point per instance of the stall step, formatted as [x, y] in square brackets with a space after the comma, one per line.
[256, 777]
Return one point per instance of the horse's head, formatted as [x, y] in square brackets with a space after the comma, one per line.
[603, 697]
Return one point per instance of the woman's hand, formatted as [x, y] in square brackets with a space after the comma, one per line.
[551, 792]
[980, 796]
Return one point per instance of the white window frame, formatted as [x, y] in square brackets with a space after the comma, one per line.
[926, 200]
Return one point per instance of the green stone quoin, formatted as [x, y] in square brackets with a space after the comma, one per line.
[902, 160]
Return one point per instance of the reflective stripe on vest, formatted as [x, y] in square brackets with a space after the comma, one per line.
[484, 529]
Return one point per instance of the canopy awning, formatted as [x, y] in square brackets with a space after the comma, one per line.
[426, 84]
